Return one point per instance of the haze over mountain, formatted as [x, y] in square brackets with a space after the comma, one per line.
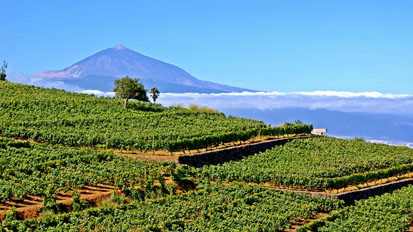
[100, 70]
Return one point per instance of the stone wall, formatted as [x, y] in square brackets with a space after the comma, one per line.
[232, 153]
[350, 197]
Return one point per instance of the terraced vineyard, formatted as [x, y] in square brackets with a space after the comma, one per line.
[59, 117]
[390, 212]
[44, 170]
[214, 208]
[56, 176]
[317, 163]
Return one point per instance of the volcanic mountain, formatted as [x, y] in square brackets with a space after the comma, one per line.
[101, 69]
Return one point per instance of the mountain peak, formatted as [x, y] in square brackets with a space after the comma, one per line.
[110, 64]
[119, 47]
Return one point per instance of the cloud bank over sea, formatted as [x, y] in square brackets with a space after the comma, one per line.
[364, 102]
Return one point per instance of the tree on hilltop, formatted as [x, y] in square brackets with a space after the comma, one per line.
[130, 88]
[154, 94]
[3, 71]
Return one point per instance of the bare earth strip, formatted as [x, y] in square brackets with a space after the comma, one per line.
[29, 207]
[297, 224]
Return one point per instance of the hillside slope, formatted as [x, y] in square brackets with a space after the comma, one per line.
[60, 117]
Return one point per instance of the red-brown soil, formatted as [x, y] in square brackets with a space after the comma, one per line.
[29, 207]
[297, 224]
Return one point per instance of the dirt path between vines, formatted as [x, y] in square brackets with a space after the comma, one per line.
[29, 207]
[299, 223]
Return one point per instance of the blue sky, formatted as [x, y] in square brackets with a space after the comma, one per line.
[264, 45]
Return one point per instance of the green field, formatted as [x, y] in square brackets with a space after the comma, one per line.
[389, 212]
[43, 170]
[232, 208]
[317, 163]
[68, 152]
[59, 117]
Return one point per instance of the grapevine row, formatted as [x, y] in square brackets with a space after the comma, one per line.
[38, 169]
[389, 212]
[59, 117]
[214, 208]
[317, 163]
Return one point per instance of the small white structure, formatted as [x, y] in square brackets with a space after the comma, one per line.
[319, 131]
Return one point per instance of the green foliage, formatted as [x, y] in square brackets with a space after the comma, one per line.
[50, 200]
[130, 88]
[182, 176]
[359, 139]
[11, 221]
[298, 122]
[59, 117]
[389, 212]
[118, 199]
[217, 208]
[77, 204]
[202, 109]
[318, 163]
[3, 69]
[43, 170]
[154, 94]
[287, 128]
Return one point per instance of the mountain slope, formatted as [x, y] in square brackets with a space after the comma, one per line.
[101, 69]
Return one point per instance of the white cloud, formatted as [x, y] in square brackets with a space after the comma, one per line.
[342, 94]
[354, 94]
[391, 143]
[97, 92]
[368, 102]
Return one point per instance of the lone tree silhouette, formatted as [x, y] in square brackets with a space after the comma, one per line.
[3, 71]
[154, 94]
[130, 88]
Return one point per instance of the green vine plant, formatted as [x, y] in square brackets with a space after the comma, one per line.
[77, 204]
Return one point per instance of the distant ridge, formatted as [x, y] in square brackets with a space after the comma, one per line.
[101, 69]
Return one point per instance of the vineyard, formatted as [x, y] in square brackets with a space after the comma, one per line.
[59, 117]
[59, 156]
[45, 170]
[317, 163]
[389, 212]
[231, 208]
